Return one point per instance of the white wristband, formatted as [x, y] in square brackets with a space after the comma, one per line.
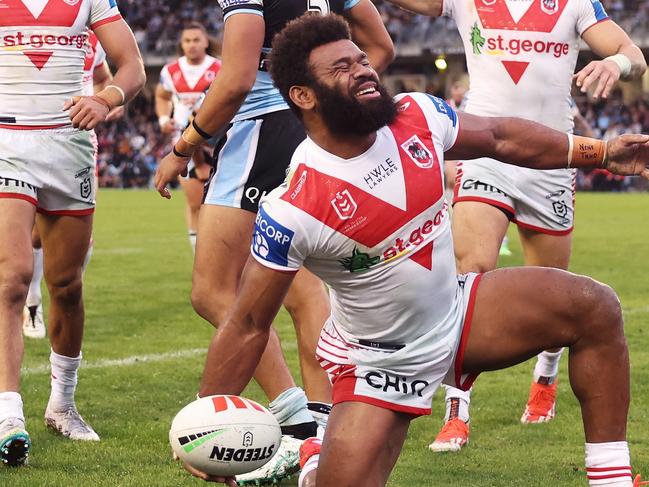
[623, 62]
[163, 119]
[119, 90]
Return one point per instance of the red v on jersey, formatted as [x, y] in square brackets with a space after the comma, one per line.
[373, 219]
[39, 58]
[542, 16]
[56, 13]
[203, 83]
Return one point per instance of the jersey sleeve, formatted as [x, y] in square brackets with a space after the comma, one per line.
[103, 12]
[278, 241]
[590, 13]
[442, 120]
[232, 7]
[350, 4]
[165, 80]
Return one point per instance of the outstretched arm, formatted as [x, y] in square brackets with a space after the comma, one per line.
[529, 144]
[622, 59]
[370, 35]
[260, 295]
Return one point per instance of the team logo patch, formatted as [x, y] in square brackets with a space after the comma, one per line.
[85, 188]
[209, 76]
[71, 2]
[344, 204]
[488, 3]
[550, 7]
[418, 152]
[271, 240]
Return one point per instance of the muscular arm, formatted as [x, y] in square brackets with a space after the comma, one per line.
[370, 35]
[163, 102]
[430, 8]
[529, 144]
[243, 39]
[119, 43]
[101, 76]
[237, 347]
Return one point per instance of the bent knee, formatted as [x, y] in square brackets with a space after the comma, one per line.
[65, 288]
[211, 305]
[600, 308]
[14, 283]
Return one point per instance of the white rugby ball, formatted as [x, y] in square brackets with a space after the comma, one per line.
[225, 435]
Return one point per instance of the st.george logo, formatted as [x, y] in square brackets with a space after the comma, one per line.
[418, 152]
[344, 204]
[550, 6]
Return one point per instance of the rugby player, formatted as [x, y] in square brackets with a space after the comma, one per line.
[183, 83]
[47, 174]
[96, 76]
[521, 57]
[251, 160]
[402, 321]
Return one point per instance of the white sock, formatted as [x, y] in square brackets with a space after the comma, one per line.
[608, 464]
[310, 465]
[34, 296]
[88, 255]
[192, 239]
[457, 404]
[64, 381]
[290, 407]
[547, 365]
[11, 406]
[320, 412]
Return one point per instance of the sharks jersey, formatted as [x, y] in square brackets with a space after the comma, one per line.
[375, 227]
[521, 55]
[264, 97]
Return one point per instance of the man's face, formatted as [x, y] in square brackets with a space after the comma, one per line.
[349, 97]
[193, 43]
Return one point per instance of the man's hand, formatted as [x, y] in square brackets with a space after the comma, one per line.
[86, 112]
[229, 481]
[170, 167]
[605, 73]
[115, 114]
[169, 127]
[628, 155]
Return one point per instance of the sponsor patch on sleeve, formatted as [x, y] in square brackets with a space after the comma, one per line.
[444, 108]
[271, 240]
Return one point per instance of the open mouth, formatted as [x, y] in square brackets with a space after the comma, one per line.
[367, 90]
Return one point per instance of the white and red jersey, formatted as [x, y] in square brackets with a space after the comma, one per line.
[375, 227]
[187, 83]
[521, 54]
[42, 55]
[95, 56]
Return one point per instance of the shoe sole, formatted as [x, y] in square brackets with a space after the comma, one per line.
[445, 448]
[14, 450]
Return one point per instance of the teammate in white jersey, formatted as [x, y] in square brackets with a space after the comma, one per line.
[47, 175]
[401, 321]
[521, 55]
[179, 93]
[96, 76]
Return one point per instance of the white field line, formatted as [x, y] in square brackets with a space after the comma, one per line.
[124, 362]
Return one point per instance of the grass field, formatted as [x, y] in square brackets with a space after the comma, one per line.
[144, 355]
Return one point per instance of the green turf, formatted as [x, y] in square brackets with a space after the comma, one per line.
[137, 295]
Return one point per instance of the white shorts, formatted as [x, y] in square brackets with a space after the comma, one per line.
[543, 201]
[394, 376]
[52, 169]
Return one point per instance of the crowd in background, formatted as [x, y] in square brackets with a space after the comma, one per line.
[130, 148]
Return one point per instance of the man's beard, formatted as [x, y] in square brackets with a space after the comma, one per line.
[345, 115]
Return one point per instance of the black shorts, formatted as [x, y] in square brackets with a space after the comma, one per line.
[251, 159]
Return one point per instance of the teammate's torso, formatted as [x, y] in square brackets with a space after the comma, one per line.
[521, 54]
[375, 228]
[42, 56]
[95, 56]
[188, 82]
[264, 97]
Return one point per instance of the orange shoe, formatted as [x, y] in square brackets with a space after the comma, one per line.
[639, 483]
[541, 403]
[452, 437]
[310, 446]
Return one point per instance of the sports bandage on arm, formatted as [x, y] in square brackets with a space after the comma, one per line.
[623, 62]
[194, 135]
[586, 152]
[113, 95]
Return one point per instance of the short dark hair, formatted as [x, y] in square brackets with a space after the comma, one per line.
[289, 59]
[213, 45]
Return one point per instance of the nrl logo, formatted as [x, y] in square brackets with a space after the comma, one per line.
[72, 2]
[418, 152]
[488, 3]
[550, 6]
[344, 204]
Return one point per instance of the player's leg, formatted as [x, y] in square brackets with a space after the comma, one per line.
[361, 446]
[308, 304]
[193, 191]
[545, 250]
[63, 275]
[478, 229]
[549, 308]
[33, 321]
[16, 260]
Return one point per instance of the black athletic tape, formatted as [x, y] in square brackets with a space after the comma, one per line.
[200, 131]
[179, 154]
